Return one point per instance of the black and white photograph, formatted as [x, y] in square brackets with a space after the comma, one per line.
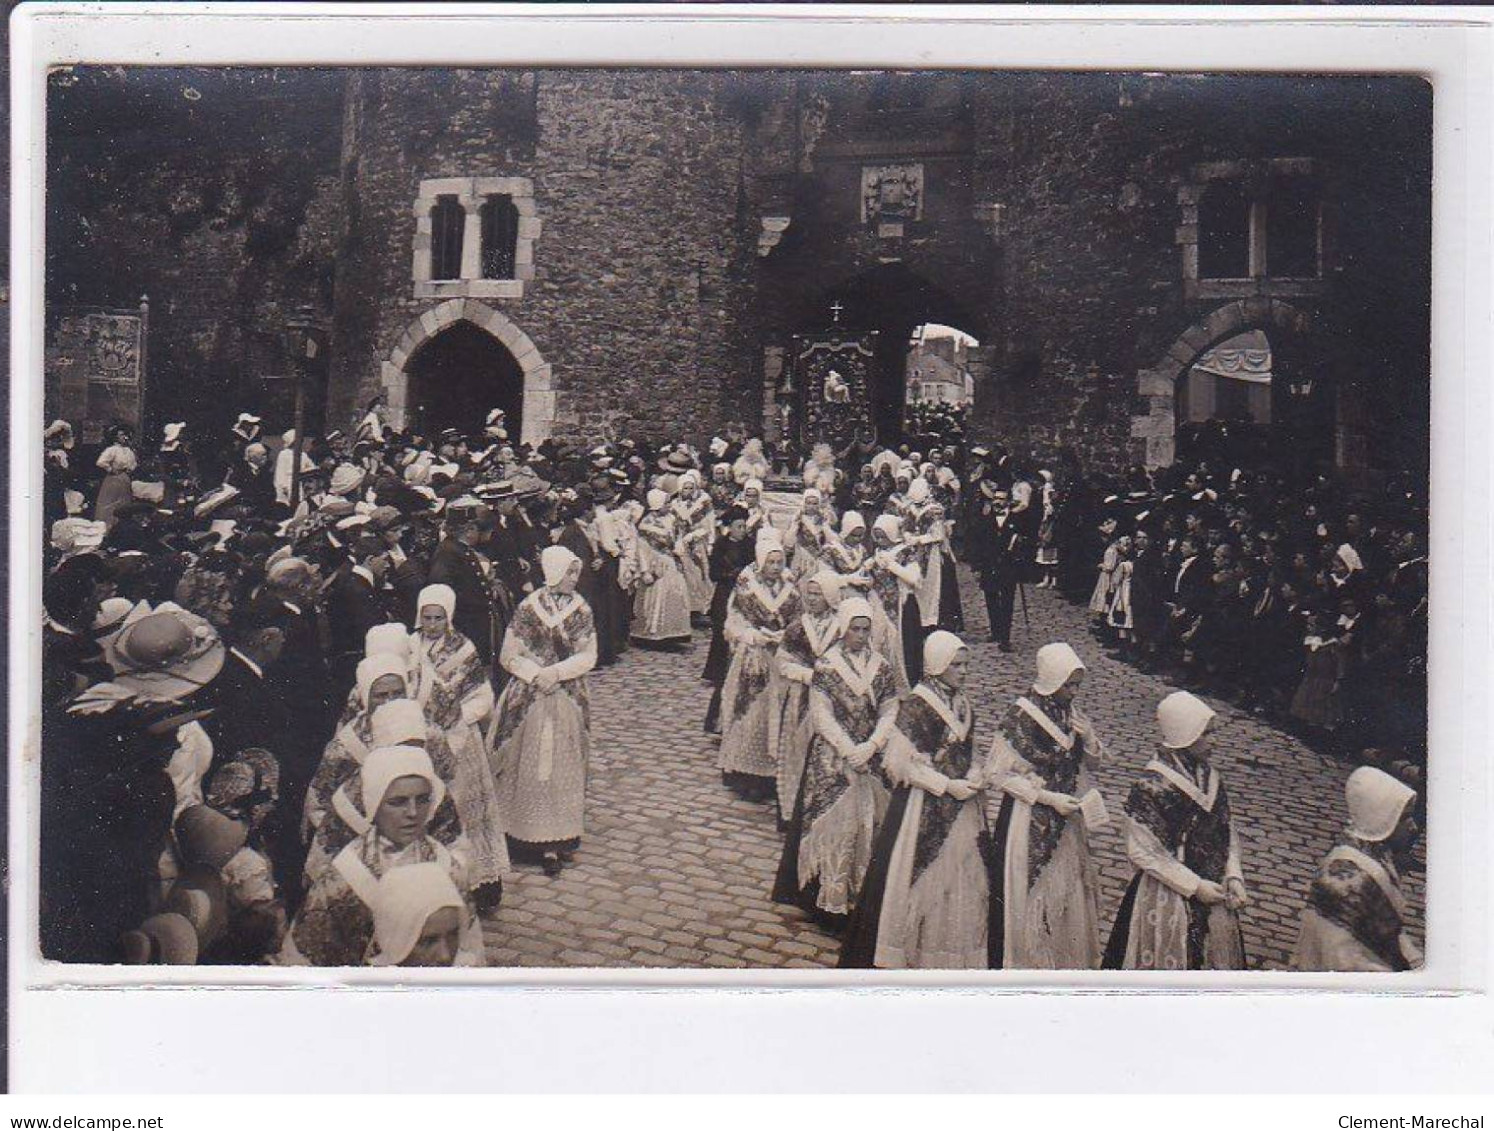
[735, 519]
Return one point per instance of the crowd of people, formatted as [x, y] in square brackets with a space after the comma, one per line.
[311, 702]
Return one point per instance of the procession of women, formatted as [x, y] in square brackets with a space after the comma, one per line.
[355, 700]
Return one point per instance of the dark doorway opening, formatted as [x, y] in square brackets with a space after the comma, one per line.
[894, 300]
[458, 376]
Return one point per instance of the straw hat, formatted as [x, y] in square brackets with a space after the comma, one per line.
[206, 836]
[168, 939]
[167, 654]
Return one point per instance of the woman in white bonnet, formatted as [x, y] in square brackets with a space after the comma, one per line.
[399, 791]
[926, 899]
[1181, 911]
[661, 608]
[1044, 889]
[695, 521]
[1355, 917]
[541, 741]
[420, 919]
[895, 577]
[853, 706]
[763, 604]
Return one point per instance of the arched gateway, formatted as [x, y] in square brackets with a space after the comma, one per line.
[426, 353]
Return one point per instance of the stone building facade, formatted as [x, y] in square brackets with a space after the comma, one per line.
[633, 251]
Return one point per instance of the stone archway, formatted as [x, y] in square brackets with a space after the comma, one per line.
[539, 390]
[1158, 386]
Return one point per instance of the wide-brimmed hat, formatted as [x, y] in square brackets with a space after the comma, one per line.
[217, 497]
[200, 897]
[59, 430]
[346, 478]
[167, 654]
[206, 836]
[491, 492]
[676, 461]
[247, 427]
[168, 939]
[78, 535]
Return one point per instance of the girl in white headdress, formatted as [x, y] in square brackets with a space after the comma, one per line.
[806, 535]
[452, 684]
[399, 792]
[1045, 911]
[751, 464]
[542, 739]
[1182, 909]
[763, 604]
[853, 705]
[1355, 917]
[925, 900]
[695, 521]
[924, 529]
[751, 501]
[894, 579]
[806, 639]
[419, 919]
[846, 551]
[661, 608]
[334, 815]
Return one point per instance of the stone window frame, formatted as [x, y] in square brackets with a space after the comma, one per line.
[471, 193]
[1256, 176]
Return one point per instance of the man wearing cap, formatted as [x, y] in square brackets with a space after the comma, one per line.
[1181, 911]
[458, 564]
[1355, 918]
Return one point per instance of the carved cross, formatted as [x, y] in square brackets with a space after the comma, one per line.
[835, 311]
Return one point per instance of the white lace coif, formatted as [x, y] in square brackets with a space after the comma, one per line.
[1055, 664]
[1183, 718]
[1376, 802]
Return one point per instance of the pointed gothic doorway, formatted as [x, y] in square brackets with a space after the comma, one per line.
[457, 376]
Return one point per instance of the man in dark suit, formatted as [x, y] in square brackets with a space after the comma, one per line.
[1190, 591]
[996, 555]
[300, 680]
[404, 572]
[355, 604]
[249, 712]
[457, 563]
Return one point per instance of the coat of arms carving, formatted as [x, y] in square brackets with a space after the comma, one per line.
[891, 193]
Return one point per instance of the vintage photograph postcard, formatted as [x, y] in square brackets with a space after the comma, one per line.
[734, 519]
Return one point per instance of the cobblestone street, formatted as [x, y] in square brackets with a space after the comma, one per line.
[675, 871]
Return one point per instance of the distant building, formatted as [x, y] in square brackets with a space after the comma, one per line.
[938, 371]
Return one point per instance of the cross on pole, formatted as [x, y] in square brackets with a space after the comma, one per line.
[835, 311]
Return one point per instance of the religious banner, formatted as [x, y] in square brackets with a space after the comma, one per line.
[95, 369]
[832, 371]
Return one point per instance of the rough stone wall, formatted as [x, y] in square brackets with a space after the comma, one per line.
[1092, 285]
[232, 197]
[213, 194]
[639, 300]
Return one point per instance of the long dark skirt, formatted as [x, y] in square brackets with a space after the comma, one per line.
[951, 614]
[786, 886]
[996, 873]
[912, 642]
[718, 658]
[1120, 934]
[859, 950]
